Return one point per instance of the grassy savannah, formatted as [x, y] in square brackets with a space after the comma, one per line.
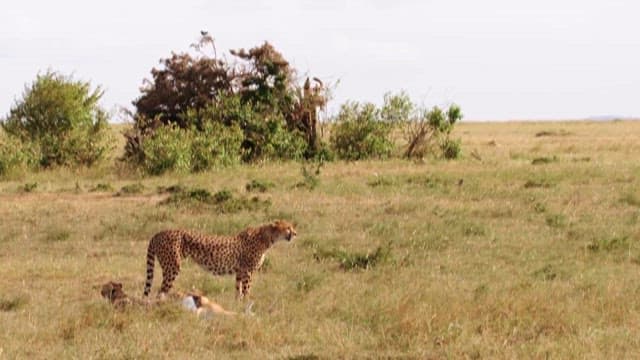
[526, 247]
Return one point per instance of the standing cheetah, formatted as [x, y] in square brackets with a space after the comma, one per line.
[241, 254]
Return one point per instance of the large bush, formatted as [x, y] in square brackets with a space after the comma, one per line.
[257, 92]
[360, 133]
[60, 118]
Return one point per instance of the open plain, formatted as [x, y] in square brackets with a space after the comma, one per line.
[527, 247]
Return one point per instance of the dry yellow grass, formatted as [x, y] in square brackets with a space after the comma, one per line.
[515, 261]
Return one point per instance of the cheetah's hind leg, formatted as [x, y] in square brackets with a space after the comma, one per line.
[170, 270]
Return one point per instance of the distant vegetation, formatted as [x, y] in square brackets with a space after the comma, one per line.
[199, 111]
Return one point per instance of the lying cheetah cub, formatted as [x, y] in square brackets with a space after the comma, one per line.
[241, 254]
[113, 292]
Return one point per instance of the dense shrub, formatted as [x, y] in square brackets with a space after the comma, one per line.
[274, 141]
[168, 149]
[359, 133]
[172, 148]
[216, 145]
[60, 119]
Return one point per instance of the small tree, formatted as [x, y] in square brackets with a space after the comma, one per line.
[61, 118]
[430, 128]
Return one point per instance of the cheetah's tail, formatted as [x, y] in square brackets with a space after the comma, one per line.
[151, 258]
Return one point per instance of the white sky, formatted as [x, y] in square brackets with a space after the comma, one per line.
[498, 59]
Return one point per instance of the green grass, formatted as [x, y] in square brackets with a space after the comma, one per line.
[495, 258]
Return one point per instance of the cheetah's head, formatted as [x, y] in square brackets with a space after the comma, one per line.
[282, 230]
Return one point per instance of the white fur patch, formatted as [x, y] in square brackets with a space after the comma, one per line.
[189, 304]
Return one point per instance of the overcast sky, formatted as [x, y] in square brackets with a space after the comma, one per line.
[498, 59]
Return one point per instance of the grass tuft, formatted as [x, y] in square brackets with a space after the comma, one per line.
[304, 357]
[553, 133]
[102, 187]
[310, 178]
[172, 189]
[539, 207]
[382, 181]
[222, 202]
[308, 282]
[429, 181]
[544, 160]
[556, 220]
[546, 273]
[540, 183]
[582, 159]
[259, 186]
[609, 244]
[631, 199]
[29, 187]
[355, 260]
[56, 235]
[12, 303]
[131, 189]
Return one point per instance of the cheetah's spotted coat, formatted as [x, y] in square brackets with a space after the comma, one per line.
[241, 254]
